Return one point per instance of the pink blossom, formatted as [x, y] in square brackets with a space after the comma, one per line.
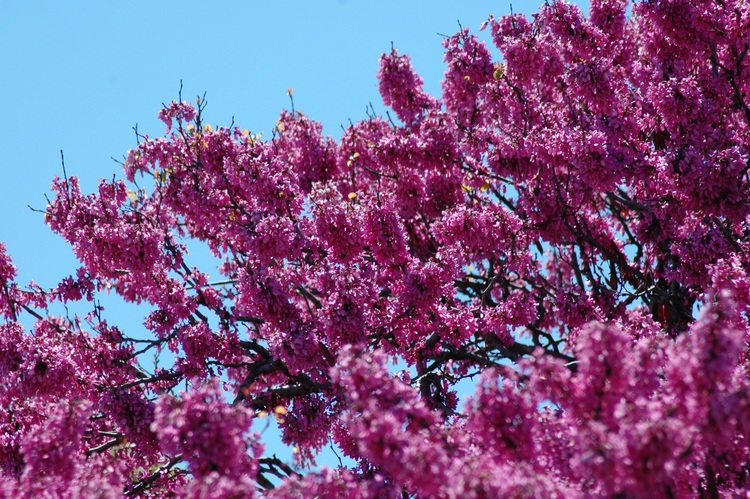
[182, 112]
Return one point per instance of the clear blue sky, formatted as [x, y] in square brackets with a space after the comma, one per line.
[78, 76]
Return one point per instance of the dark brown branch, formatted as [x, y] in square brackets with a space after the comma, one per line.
[141, 485]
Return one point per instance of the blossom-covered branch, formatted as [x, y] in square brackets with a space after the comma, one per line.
[567, 225]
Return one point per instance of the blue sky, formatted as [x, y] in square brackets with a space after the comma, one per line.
[78, 76]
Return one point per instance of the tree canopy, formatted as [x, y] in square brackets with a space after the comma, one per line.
[568, 226]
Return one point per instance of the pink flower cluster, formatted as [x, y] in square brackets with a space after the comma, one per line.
[211, 437]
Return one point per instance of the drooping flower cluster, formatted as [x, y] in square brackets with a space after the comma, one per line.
[210, 436]
[568, 226]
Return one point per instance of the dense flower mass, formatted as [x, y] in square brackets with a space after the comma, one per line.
[568, 226]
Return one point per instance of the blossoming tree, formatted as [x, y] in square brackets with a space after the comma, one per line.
[568, 226]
